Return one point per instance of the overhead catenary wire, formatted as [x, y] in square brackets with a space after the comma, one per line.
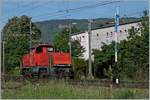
[32, 4]
[133, 14]
[58, 11]
[63, 14]
[67, 10]
[72, 10]
[89, 6]
[53, 15]
[35, 6]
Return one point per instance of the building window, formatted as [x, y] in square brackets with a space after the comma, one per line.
[97, 34]
[120, 31]
[107, 41]
[132, 27]
[111, 34]
[82, 36]
[125, 30]
[107, 33]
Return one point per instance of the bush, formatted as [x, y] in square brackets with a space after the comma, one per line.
[15, 71]
[79, 67]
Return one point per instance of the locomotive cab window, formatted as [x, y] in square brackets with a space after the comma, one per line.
[50, 49]
[39, 49]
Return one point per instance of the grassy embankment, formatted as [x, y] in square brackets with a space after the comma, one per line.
[57, 90]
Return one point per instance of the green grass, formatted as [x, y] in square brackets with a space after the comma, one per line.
[59, 90]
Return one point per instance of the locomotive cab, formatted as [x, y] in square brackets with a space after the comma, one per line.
[43, 47]
[43, 53]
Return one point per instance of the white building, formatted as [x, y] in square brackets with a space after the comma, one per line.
[106, 35]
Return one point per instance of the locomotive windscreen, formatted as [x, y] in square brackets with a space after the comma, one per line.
[50, 49]
[39, 49]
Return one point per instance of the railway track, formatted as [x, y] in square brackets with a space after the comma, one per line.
[96, 83]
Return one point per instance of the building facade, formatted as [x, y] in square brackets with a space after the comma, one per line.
[105, 35]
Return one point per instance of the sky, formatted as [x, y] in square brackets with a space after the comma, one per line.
[41, 10]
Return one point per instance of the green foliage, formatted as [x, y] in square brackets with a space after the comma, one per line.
[15, 71]
[108, 73]
[128, 94]
[16, 36]
[80, 67]
[61, 41]
[103, 60]
[137, 52]
[132, 55]
[77, 49]
[59, 90]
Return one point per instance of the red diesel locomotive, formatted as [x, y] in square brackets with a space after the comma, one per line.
[44, 60]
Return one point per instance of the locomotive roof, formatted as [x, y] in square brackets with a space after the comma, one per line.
[44, 45]
[41, 45]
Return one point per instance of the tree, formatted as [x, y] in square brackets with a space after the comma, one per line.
[139, 50]
[103, 60]
[132, 55]
[61, 41]
[16, 36]
[80, 67]
[77, 49]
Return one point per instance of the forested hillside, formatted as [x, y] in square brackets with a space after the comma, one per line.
[51, 27]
